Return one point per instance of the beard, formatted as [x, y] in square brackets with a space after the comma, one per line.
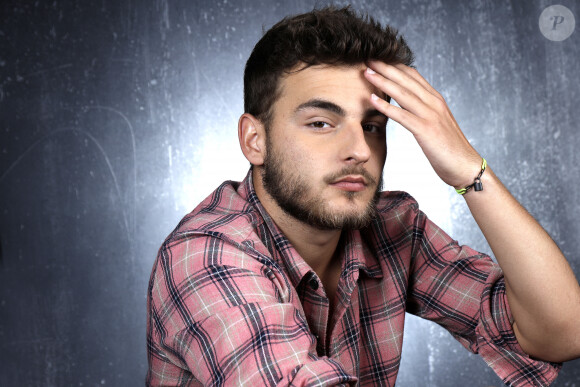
[291, 191]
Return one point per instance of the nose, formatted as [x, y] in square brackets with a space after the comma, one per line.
[355, 149]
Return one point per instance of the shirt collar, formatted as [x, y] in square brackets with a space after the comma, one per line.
[356, 254]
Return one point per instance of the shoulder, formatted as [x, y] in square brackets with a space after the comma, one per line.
[226, 210]
[226, 219]
[221, 235]
[223, 230]
[389, 200]
[395, 229]
[397, 208]
[202, 273]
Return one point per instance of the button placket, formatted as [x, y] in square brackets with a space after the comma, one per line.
[317, 311]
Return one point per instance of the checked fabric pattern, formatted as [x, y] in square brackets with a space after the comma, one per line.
[230, 302]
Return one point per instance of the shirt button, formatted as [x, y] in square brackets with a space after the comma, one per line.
[313, 283]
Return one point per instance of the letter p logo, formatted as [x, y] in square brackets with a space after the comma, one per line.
[557, 20]
[557, 23]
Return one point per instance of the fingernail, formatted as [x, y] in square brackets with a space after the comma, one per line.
[374, 97]
[370, 71]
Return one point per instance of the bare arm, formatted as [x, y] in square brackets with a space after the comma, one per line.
[542, 290]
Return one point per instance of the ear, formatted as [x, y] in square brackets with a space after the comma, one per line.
[252, 136]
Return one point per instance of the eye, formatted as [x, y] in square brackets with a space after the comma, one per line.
[373, 128]
[319, 125]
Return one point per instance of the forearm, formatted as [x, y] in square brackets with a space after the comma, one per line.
[542, 291]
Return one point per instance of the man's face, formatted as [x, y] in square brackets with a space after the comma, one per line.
[326, 148]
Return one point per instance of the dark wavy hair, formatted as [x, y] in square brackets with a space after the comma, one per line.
[333, 36]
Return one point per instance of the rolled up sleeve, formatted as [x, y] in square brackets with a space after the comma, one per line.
[464, 291]
[497, 343]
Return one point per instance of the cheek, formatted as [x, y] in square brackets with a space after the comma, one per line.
[304, 151]
[379, 149]
[295, 157]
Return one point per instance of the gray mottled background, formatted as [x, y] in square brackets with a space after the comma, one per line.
[118, 117]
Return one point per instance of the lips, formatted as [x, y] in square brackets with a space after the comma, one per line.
[350, 183]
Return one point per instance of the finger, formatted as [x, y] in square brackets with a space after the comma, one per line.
[413, 73]
[407, 119]
[404, 96]
[404, 76]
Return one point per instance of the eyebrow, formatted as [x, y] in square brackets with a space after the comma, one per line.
[374, 113]
[317, 103]
[321, 104]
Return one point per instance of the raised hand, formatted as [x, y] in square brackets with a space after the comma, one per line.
[424, 112]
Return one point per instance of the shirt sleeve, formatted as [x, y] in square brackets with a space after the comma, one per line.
[218, 316]
[464, 291]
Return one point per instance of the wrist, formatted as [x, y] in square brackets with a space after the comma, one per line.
[477, 184]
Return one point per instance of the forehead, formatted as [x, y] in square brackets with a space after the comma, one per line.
[345, 86]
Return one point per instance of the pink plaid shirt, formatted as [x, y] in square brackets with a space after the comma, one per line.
[230, 302]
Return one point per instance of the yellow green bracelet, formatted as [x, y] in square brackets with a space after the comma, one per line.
[477, 186]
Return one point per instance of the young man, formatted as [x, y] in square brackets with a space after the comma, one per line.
[302, 273]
